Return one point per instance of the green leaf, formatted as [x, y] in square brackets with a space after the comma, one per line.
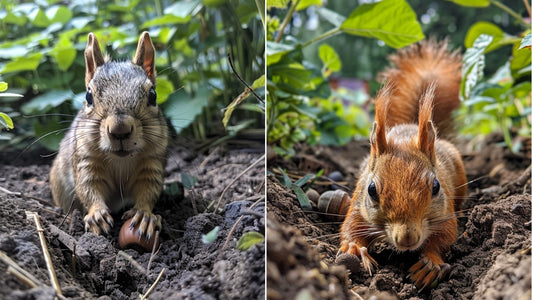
[3, 86]
[231, 107]
[473, 65]
[64, 53]
[59, 14]
[211, 236]
[188, 181]
[286, 180]
[183, 9]
[472, 3]
[163, 89]
[5, 121]
[521, 57]
[24, 63]
[277, 3]
[11, 18]
[526, 41]
[39, 18]
[305, 204]
[330, 59]
[306, 3]
[166, 20]
[275, 51]
[44, 102]
[259, 82]
[300, 182]
[499, 37]
[392, 21]
[182, 109]
[249, 239]
[50, 133]
[331, 16]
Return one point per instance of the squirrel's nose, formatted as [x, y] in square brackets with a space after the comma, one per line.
[120, 129]
[405, 236]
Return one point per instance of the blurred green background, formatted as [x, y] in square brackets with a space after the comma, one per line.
[41, 58]
[323, 58]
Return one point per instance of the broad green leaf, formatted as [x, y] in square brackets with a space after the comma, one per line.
[166, 20]
[277, 3]
[259, 82]
[275, 51]
[50, 133]
[331, 16]
[211, 236]
[392, 21]
[39, 18]
[3, 86]
[163, 89]
[305, 204]
[526, 42]
[12, 18]
[182, 109]
[188, 181]
[306, 3]
[521, 57]
[473, 65]
[64, 53]
[5, 121]
[499, 37]
[183, 9]
[330, 59]
[249, 239]
[472, 3]
[25, 63]
[292, 76]
[43, 103]
[59, 14]
[213, 3]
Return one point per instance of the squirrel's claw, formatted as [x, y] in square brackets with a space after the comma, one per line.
[98, 219]
[368, 262]
[148, 222]
[426, 273]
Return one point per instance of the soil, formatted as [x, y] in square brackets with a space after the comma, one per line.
[194, 268]
[491, 258]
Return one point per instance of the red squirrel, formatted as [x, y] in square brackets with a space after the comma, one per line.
[413, 182]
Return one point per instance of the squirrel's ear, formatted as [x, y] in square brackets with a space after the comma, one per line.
[145, 55]
[378, 137]
[93, 58]
[426, 130]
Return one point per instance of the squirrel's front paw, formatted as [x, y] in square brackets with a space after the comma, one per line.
[98, 219]
[148, 222]
[425, 272]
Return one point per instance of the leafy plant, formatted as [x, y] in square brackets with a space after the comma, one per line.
[41, 53]
[301, 104]
[5, 121]
[249, 239]
[503, 100]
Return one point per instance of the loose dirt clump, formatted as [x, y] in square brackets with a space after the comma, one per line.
[194, 268]
[491, 258]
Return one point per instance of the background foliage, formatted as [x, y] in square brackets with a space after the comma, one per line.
[316, 43]
[41, 57]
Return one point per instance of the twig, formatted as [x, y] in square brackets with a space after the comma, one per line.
[154, 251]
[288, 17]
[153, 285]
[74, 262]
[4, 190]
[21, 277]
[235, 226]
[47, 258]
[132, 261]
[528, 7]
[11, 263]
[242, 80]
[262, 158]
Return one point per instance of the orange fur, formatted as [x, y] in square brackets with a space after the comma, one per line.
[412, 182]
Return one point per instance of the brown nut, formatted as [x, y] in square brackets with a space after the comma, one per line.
[312, 195]
[350, 261]
[335, 204]
[128, 238]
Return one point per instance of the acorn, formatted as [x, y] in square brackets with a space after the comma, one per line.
[335, 204]
[350, 261]
[312, 195]
[128, 238]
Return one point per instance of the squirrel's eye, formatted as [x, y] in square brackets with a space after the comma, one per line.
[152, 97]
[89, 97]
[372, 191]
[436, 187]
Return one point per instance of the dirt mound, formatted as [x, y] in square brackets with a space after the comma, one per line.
[491, 258]
[194, 269]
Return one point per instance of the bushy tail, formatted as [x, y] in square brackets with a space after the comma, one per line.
[413, 69]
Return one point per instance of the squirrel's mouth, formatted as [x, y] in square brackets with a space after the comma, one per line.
[121, 153]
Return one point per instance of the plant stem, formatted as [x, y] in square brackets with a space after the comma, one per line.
[288, 17]
[528, 7]
[325, 35]
[510, 11]
[261, 8]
